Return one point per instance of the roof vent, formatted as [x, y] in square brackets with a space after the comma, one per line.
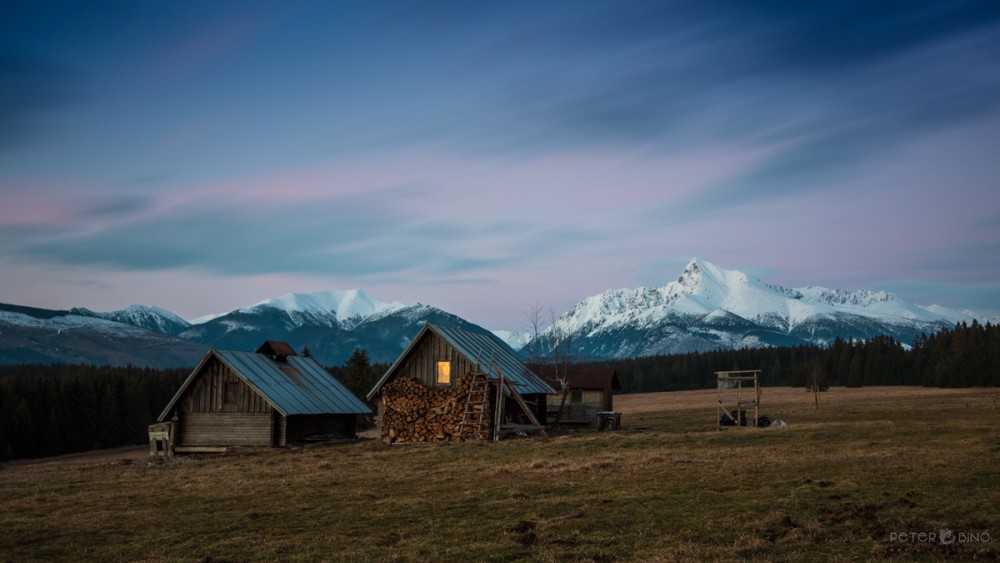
[276, 350]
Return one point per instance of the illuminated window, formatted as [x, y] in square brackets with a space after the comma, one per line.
[444, 373]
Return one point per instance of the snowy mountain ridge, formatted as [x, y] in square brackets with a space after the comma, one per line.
[347, 308]
[143, 316]
[709, 307]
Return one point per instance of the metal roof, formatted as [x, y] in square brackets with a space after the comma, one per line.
[293, 387]
[494, 356]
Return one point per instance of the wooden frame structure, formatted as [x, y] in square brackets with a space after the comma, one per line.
[727, 380]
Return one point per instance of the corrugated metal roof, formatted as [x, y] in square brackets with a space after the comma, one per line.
[588, 377]
[494, 355]
[295, 386]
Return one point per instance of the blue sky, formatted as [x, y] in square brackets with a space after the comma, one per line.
[202, 156]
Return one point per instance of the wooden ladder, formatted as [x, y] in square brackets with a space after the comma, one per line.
[476, 406]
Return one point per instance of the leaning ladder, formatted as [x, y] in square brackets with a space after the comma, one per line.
[476, 403]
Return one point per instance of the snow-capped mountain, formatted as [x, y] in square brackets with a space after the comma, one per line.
[332, 324]
[710, 308]
[516, 339]
[329, 308]
[33, 335]
[142, 316]
[706, 308]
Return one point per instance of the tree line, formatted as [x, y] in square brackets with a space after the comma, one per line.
[966, 356]
[48, 410]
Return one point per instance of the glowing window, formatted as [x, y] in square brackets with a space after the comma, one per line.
[444, 373]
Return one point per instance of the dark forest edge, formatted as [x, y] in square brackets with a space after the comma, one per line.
[48, 410]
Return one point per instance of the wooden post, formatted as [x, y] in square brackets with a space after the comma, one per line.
[499, 409]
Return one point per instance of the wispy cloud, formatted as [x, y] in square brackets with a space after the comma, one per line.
[30, 88]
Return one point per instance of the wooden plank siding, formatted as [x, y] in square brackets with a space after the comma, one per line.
[421, 362]
[208, 392]
[205, 418]
[223, 429]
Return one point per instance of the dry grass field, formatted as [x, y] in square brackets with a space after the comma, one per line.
[873, 474]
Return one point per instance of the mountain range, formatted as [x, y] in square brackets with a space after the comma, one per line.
[706, 308]
[710, 308]
[331, 324]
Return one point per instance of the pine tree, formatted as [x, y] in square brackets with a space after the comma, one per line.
[358, 375]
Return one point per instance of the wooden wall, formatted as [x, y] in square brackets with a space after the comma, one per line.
[421, 362]
[207, 393]
[223, 429]
[205, 418]
[583, 412]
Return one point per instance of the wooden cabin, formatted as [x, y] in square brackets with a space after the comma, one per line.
[268, 398]
[454, 384]
[588, 391]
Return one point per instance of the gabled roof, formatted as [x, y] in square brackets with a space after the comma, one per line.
[494, 356]
[294, 386]
[588, 377]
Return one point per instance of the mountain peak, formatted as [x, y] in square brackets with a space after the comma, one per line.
[344, 305]
[691, 276]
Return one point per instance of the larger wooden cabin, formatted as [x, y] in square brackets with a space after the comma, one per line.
[453, 384]
[269, 398]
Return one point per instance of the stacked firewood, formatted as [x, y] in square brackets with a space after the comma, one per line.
[415, 413]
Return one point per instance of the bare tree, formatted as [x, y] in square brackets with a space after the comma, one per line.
[551, 347]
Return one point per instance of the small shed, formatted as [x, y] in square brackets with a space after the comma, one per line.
[268, 398]
[588, 390]
[456, 384]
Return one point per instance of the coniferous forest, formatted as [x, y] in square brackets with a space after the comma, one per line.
[48, 410]
[965, 356]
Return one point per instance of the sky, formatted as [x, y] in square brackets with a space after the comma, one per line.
[485, 158]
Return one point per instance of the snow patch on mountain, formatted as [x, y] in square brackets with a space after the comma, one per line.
[516, 339]
[205, 318]
[348, 308]
[64, 323]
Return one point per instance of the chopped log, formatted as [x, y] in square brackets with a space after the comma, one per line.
[415, 413]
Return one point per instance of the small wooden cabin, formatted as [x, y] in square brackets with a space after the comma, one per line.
[455, 384]
[588, 391]
[268, 398]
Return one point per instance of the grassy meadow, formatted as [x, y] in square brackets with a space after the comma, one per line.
[869, 475]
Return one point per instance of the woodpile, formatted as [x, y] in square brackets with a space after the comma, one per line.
[415, 413]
